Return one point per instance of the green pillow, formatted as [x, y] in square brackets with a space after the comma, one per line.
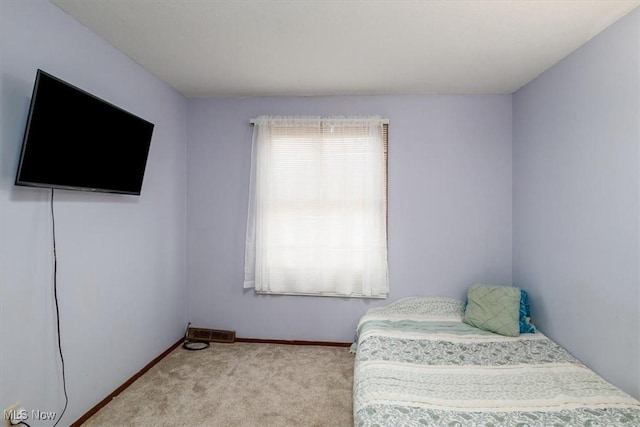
[494, 308]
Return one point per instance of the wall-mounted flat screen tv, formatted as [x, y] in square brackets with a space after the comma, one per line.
[76, 141]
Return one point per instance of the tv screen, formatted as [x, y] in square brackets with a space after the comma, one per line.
[77, 141]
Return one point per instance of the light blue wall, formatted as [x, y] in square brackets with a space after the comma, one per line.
[576, 201]
[121, 259]
[449, 207]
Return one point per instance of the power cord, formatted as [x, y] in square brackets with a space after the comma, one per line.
[19, 423]
[55, 298]
[193, 345]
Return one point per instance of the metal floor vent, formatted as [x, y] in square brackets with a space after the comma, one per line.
[212, 335]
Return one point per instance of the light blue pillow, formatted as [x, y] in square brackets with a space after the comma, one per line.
[526, 327]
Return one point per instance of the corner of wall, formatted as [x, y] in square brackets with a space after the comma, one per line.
[637, 16]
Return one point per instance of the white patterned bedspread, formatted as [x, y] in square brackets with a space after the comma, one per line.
[418, 364]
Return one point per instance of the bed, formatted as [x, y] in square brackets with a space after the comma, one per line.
[418, 364]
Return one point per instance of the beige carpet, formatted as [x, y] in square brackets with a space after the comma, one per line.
[241, 384]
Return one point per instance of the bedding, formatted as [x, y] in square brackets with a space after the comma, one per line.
[417, 363]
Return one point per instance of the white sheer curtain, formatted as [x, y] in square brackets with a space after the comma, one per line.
[317, 207]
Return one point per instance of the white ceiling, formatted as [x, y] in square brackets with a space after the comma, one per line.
[339, 47]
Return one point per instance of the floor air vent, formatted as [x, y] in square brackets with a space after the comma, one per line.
[212, 335]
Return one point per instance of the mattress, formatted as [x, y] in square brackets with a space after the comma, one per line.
[418, 364]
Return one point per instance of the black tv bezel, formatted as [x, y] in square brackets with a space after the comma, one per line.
[25, 139]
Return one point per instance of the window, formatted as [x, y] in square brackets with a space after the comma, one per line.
[317, 221]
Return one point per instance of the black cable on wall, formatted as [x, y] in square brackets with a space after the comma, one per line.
[55, 298]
